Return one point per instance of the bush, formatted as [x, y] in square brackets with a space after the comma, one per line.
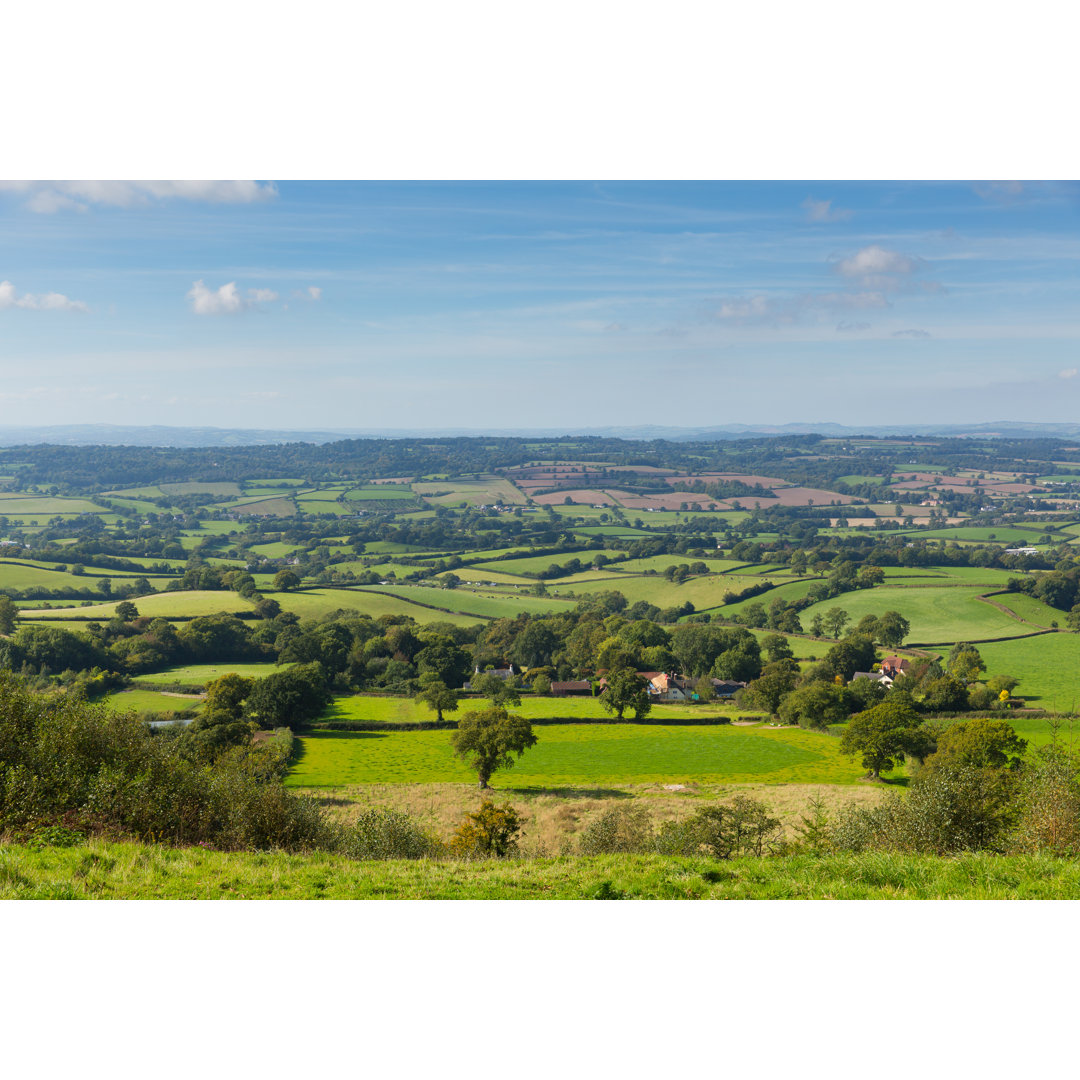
[740, 828]
[386, 834]
[626, 829]
[1049, 804]
[491, 830]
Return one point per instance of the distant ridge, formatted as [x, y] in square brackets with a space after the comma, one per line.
[116, 435]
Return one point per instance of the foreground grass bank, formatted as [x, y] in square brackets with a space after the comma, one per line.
[113, 871]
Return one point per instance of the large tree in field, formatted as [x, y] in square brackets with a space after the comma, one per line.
[487, 739]
[625, 690]
[437, 696]
[882, 735]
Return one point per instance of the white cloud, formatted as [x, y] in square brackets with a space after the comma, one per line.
[875, 261]
[1068, 373]
[223, 301]
[913, 333]
[50, 196]
[226, 300]
[53, 301]
[820, 210]
[314, 292]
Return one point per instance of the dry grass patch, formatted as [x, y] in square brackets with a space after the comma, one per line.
[553, 817]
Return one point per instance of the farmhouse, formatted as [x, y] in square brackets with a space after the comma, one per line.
[894, 666]
[667, 686]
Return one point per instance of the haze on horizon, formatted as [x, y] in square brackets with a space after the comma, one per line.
[374, 305]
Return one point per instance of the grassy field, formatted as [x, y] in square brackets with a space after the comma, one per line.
[115, 871]
[471, 601]
[574, 755]
[200, 674]
[311, 603]
[406, 711]
[166, 605]
[937, 615]
[1031, 609]
[149, 701]
[1046, 666]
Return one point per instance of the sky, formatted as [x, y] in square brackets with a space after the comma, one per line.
[372, 305]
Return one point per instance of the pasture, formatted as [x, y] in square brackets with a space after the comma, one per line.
[149, 701]
[404, 710]
[937, 615]
[167, 605]
[201, 674]
[1046, 665]
[571, 755]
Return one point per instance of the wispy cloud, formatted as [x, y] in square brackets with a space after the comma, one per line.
[912, 333]
[51, 196]
[851, 327]
[227, 299]
[785, 310]
[52, 301]
[822, 210]
[1068, 373]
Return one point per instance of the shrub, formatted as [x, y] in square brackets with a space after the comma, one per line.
[491, 830]
[742, 827]
[386, 834]
[626, 829]
[1049, 804]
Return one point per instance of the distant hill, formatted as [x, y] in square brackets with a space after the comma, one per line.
[116, 435]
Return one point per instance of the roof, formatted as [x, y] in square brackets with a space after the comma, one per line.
[573, 684]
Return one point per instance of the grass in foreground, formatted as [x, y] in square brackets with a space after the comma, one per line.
[122, 871]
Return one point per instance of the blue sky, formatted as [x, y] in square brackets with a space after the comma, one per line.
[389, 305]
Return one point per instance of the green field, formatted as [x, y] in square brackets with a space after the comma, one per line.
[314, 603]
[573, 754]
[166, 605]
[403, 710]
[149, 701]
[1048, 667]
[1031, 609]
[201, 674]
[470, 601]
[937, 615]
[1000, 534]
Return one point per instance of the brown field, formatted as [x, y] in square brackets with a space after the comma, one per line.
[801, 496]
[553, 817]
[672, 501]
[743, 478]
[586, 496]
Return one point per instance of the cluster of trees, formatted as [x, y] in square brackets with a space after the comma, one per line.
[825, 694]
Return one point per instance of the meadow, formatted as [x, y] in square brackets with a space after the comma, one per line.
[201, 674]
[178, 604]
[405, 710]
[149, 701]
[572, 755]
[1046, 665]
[937, 615]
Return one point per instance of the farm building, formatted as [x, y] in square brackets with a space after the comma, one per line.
[573, 688]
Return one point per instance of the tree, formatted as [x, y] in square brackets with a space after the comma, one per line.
[625, 690]
[284, 580]
[817, 625]
[290, 698]
[964, 662]
[498, 691]
[776, 647]
[704, 689]
[981, 743]
[882, 735]
[892, 628]
[769, 689]
[222, 722]
[437, 696]
[541, 684]
[835, 620]
[127, 611]
[487, 739]
[8, 614]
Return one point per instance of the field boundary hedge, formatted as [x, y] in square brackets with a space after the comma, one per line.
[449, 725]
